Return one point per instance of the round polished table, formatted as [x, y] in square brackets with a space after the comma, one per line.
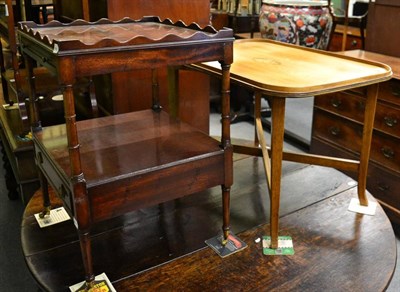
[162, 248]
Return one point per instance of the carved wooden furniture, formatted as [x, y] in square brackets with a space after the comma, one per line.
[105, 167]
[337, 128]
[296, 72]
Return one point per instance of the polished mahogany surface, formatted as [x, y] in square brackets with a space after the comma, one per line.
[108, 146]
[105, 34]
[110, 166]
[335, 250]
[118, 153]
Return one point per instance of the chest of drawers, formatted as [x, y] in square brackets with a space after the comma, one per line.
[337, 126]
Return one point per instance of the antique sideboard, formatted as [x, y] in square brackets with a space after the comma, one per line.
[337, 128]
[337, 118]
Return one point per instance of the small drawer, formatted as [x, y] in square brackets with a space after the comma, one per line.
[387, 119]
[61, 187]
[337, 130]
[381, 182]
[342, 103]
[385, 151]
[348, 135]
[390, 91]
[384, 185]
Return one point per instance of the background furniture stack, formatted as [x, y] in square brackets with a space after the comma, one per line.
[337, 118]
[22, 180]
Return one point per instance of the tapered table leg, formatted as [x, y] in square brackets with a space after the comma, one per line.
[369, 116]
[277, 133]
[273, 164]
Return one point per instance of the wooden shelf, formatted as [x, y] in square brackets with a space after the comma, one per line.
[111, 156]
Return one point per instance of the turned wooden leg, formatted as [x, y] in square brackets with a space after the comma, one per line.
[369, 116]
[226, 212]
[86, 249]
[80, 197]
[227, 146]
[45, 193]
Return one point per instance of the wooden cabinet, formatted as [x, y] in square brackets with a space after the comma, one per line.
[353, 39]
[337, 129]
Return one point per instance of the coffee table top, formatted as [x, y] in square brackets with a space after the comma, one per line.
[287, 70]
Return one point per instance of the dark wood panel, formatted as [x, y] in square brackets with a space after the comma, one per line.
[383, 183]
[383, 22]
[346, 134]
[351, 106]
[189, 10]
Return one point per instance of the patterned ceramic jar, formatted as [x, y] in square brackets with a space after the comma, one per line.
[305, 23]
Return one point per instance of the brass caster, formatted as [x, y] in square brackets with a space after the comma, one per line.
[45, 212]
[89, 285]
[225, 238]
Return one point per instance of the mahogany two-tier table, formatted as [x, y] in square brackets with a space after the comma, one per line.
[108, 166]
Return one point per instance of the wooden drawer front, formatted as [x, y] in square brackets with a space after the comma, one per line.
[387, 119]
[384, 149]
[381, 183]
[339, 131]
[343, 103]
[352, 42]
[390, 91]
[61, 187]
[384, 185]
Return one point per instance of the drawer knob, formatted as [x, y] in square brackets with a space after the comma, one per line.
[387, 152]
[361, 106]
[383, 187]
[336, 102]
[389, 121]
[396, 90]
[334, 131]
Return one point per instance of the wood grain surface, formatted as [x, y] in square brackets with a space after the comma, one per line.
[293, 71]
[162, 248]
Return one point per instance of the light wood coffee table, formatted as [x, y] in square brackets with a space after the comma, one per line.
[281, 71]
